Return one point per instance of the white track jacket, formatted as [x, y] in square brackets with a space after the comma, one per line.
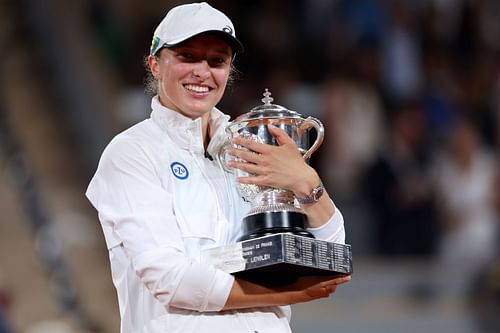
[160, 202]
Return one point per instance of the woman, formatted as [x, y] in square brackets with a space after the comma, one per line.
[161, 201]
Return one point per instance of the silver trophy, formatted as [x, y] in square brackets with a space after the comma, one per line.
[274, 210]
[275, 247]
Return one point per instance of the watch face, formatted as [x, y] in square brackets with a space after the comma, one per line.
[314, 196]
[318, 192]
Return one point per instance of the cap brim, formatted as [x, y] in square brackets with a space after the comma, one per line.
[233, 42]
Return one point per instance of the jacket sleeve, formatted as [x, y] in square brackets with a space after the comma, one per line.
[127, 192]
[331, 231]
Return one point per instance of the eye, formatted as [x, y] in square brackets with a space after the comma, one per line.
[185, 55]
[218, 61]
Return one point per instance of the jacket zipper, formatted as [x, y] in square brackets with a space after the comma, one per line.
[219, 213]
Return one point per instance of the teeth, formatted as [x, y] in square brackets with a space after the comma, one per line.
[196, 88]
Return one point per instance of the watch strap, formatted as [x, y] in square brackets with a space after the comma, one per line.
[314, 196]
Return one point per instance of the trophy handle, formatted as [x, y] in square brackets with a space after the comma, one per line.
[320, 130]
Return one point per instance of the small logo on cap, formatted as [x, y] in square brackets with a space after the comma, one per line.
[228, 29]
[154, 45]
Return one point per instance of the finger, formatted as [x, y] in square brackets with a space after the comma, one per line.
[335, 281]
[258, 180]
[330, 289]
[252, 145]
[247, 167]
[338, 280]
[245, 155]
[326, 291]
[280, 135]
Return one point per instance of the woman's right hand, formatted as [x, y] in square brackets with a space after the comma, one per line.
[245, 294]
[309, 288]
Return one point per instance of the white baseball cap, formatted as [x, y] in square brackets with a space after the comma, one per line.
[186, 21]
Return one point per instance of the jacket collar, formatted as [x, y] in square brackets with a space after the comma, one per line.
[187, 133]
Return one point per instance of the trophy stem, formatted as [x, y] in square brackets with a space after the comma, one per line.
[277, 197]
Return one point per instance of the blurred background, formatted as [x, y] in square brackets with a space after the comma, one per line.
[408, 91]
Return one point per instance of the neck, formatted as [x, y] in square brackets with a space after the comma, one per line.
[205, 130]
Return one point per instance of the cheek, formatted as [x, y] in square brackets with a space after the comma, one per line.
[181, 70]
[172, 75]
[221, 76]
[170, 70]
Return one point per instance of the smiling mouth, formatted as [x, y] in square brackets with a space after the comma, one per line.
[196, 88]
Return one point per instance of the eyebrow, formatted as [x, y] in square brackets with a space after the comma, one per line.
[189, 45]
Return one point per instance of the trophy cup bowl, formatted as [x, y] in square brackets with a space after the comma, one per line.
[274, 210]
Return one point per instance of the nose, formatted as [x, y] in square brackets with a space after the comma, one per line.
[201, 69]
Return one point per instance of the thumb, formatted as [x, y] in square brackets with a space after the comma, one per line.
[280, 135]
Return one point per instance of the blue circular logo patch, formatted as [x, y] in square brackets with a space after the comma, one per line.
[179, 170]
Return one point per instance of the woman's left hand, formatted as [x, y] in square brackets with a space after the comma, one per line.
[279, 166]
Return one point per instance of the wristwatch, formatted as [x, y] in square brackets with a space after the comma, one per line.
[314, 196]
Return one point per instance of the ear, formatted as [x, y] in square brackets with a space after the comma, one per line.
[154, 66]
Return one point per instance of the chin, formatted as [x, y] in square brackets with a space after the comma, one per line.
[201, 108]
[195, 112]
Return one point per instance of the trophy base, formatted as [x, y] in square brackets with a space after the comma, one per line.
[270, 223]
[280, 259]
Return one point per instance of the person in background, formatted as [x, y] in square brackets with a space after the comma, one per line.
[399, 191]
[464, 181]
[484, 295]
[5, 302]
[162, 198]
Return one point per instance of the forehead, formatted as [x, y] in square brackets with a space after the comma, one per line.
[206, 41]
